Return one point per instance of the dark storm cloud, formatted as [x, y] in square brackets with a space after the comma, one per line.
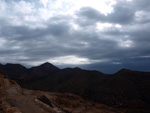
[122, 14]
[27, 33]
[91, 13]
[108, 49]
[34, 43]
[141, 4]
[46, 43]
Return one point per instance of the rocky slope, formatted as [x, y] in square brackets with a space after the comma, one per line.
[14, 99]
[124, 89]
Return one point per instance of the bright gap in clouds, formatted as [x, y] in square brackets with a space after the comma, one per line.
[2, 42]
[69, 6]
[74, 60]
[126, 44]
[69, 60]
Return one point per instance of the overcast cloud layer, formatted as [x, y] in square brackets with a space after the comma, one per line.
[104, 35]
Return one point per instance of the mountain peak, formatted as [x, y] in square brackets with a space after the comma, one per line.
[77, 68]
[124, 70]
[14, 65]
[47, 65]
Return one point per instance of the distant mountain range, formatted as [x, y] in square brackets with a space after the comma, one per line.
[126, 88]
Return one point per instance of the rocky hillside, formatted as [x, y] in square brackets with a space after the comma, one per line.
[124, 89]
[14, 99]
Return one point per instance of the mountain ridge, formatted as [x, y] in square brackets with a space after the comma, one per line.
[47, 64]
[126, 88]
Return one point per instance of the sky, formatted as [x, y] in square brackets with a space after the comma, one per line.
[104, 35]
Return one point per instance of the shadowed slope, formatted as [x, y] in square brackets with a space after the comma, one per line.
[125, 88]
[14, 99]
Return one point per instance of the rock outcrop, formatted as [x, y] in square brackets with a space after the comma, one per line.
[8, 87]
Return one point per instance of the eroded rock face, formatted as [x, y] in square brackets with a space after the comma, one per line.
[8, 87]
[2, 86]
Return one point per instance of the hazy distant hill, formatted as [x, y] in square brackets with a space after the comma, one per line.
[125, 88]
